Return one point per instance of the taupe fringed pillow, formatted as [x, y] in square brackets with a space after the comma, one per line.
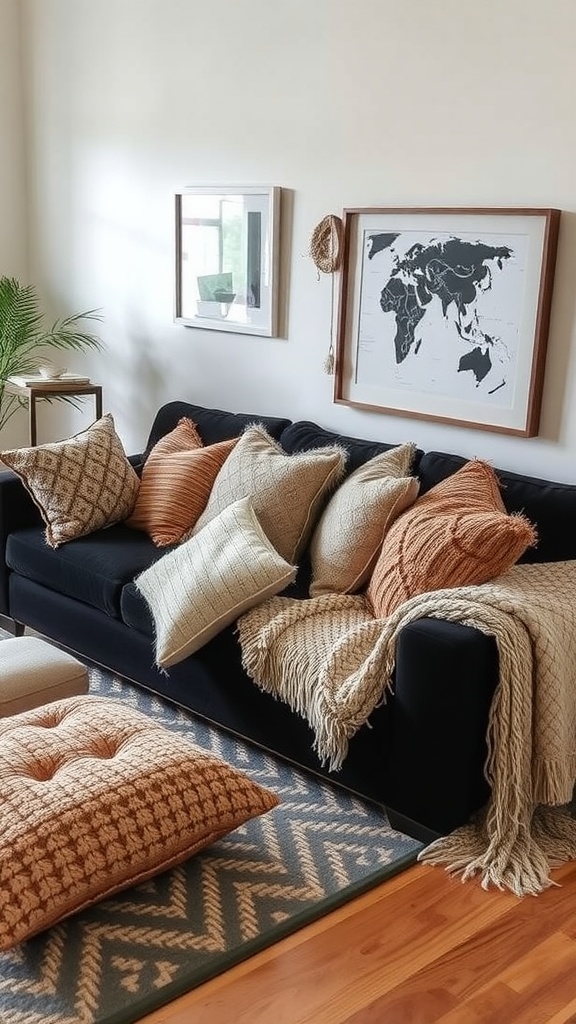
[285, 490]
[349, 534]
[96, 797]
[80, 484]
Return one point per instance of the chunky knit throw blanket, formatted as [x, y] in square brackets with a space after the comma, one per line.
[332, 662]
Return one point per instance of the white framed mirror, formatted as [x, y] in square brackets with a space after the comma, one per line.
[227, 244]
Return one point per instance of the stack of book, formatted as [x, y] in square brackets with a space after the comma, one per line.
[38, 380]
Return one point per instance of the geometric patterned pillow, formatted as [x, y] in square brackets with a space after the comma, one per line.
[96, 797]
[457, 534]
[80, 484]
[349, 534]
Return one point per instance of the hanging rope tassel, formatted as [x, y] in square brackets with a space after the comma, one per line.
[326, 253]
[329, 361]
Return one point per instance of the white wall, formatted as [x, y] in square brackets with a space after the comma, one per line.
[343, 105]
[12, 181]
[13, 243]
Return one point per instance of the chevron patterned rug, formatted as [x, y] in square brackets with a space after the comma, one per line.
[134, 952]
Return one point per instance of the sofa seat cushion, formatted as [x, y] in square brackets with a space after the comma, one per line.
[134, 610]
[91, 569]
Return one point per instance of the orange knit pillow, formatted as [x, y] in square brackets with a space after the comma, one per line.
[182, 438]
[176, 482]
[455, 535]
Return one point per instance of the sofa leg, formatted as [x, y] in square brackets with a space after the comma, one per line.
[411, 828]
[16, 628]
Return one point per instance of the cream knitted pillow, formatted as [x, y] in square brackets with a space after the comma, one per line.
[199, 588]
[349, 534]
[285, 490]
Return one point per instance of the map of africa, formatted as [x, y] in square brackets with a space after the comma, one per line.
[437, 303]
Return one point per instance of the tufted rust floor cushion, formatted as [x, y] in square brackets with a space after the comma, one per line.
[96, 797]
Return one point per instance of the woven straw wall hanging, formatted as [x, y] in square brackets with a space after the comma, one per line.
[326, 253]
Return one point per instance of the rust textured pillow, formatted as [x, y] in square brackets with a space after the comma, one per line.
[183, 438]
[176, 482]
[96, 797]
[285, 490]
[80, 484]
[457, 534]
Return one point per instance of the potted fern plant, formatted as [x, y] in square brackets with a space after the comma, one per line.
[25, 340]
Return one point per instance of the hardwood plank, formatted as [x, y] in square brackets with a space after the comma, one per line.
[422, 948]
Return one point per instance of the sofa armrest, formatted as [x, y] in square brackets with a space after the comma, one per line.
[17, 510]
[445, 678]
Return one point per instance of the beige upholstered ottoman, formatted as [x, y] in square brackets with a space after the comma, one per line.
[32, 672]
[95, 797]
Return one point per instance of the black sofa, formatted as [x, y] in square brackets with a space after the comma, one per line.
[423, 753]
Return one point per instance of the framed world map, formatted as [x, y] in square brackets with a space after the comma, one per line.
[444, 314]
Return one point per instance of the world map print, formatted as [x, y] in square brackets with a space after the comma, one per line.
[441, 312]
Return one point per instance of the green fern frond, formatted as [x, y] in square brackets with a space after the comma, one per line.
[22, 336]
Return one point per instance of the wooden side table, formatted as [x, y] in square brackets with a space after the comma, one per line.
[34, 392]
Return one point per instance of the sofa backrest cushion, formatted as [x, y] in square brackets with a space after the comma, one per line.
[550, 506]
[213, 424]
[303, 435]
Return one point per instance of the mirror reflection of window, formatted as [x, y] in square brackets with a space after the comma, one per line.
[221, 254]
[227, 252]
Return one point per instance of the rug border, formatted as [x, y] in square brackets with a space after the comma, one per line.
[180, 987]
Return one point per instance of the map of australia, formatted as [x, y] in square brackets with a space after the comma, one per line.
[438, 306]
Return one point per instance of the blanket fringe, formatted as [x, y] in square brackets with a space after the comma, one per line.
[523, 865]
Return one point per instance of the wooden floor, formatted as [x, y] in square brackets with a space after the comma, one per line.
[420, 949]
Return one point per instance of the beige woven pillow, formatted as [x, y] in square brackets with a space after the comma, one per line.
[457, 534]
[176, 482]
[80, 484]
[349, 534]
[285, 490]
[96, 797]
[203, 585]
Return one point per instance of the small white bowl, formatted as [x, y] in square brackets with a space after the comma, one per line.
[51, 372]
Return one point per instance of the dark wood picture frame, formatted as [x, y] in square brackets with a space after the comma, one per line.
[444, 313]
